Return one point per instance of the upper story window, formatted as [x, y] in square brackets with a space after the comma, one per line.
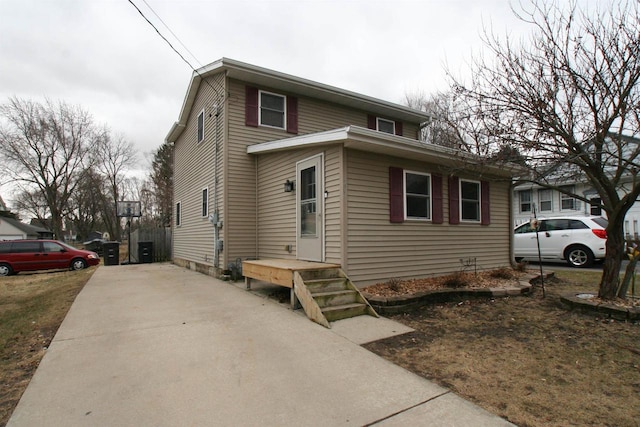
[387, 126]
[178, 214]
[525, 200]
[272, 110]
[567, 202]
[545, 200]
[469, 200]
[384, 125]
[201, 126]
[417, 189]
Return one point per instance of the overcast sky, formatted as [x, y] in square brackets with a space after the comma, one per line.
[103, 55]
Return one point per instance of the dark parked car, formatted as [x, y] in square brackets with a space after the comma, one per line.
[95, 245]
[29, 255]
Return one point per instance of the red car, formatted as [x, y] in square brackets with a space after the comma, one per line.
[29, 255]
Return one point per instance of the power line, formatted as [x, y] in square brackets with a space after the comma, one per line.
[172, 33]
[163, 37]
[206, 81]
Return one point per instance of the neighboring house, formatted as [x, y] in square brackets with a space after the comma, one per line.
[12, 229]
[268, 165]
[552, 203]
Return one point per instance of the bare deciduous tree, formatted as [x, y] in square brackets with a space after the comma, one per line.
[46, 147]
[114, 157]
[568, 99]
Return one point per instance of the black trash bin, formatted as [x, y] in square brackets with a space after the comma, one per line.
[111, 252]
[145, 252]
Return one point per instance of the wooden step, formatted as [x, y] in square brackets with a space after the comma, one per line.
[333, 298]
[326, 285]
[325, 273]
[344, 311]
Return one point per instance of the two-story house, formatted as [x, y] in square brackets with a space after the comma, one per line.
[269, 165]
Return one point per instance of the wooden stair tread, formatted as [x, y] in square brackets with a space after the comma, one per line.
[342, 307]
[329, 293]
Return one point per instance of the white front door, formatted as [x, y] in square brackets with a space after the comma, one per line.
[310, 209]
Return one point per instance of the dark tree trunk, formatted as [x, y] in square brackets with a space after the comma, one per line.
[615, 251]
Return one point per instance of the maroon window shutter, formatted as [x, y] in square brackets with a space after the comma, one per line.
[251, 107]
[485, 208]
[454, 200]
[399, 128]
[396, 196]
[436, 188]
[292, 114]
[372, 122]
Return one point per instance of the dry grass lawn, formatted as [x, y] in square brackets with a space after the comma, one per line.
[32, 307]
[526, 358]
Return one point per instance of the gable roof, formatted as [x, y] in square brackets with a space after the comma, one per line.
[292, 84]
[29, 229]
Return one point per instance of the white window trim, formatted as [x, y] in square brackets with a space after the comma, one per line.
[550, 192]
[205, 214]
[380, 119]
[404, 194]
[470, 221]
[284, 112]
[198, 126]
[530, 192]
[178, 213]
[567, 197]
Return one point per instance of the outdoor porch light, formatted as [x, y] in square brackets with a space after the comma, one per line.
[289, 186]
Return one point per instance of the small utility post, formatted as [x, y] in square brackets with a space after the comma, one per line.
[536, 225]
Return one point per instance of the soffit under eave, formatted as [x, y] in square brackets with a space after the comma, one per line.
[449, 163]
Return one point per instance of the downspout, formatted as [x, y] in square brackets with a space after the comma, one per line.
[257, 212]
[216, 214]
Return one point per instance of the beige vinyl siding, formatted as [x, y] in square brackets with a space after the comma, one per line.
[240, 191]
[333, 204]
[194, 170]
[379, 250]
[277, 210]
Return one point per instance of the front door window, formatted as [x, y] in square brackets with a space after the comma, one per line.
[308, 224]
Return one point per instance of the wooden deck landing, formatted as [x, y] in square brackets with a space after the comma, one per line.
[278, 271]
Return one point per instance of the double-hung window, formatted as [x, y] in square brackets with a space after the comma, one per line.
[201, 126]
[205, 201]
[272, 109]
[545, 200]
[469, 201]
[417, 190]
[525, 201]
[567, 203]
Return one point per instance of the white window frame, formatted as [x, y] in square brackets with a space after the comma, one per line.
[566, 197]
[205, 202]
[200, 130]
[393, 124]
[178, 214]
[429, 195]
[529, 202]
[284, 109]
[542, 192]
[479, 201]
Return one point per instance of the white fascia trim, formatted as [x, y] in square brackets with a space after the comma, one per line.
[334, 135]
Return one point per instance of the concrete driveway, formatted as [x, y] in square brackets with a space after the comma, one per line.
[158, 345]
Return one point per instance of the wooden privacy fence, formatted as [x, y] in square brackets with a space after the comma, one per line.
[160, 238]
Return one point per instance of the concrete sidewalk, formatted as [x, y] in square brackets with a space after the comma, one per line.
[158, 345]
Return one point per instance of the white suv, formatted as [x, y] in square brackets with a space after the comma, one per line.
[577, 239]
